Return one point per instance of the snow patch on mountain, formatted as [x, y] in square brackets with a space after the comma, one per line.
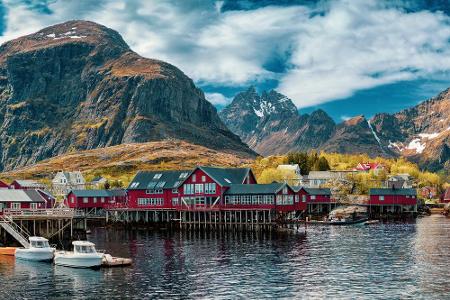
[416, 145]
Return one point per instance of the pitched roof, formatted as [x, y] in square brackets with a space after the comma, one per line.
[158, 179]
[404, 192]
[317, 191]
[20, 196]
[368, 166]
[226, 176]
[239, 189]
[29, 183]
[34, 195]
[321, 175]
[99, 193]
[98, 179]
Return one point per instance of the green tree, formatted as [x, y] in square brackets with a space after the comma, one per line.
[321, 164]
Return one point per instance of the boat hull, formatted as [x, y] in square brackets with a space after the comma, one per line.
[79, 261]
[11, 251]
[35, 254]
[353, 222]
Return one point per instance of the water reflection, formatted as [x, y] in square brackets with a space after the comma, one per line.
[381, 261]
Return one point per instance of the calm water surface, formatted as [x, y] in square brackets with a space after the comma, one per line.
[380, 261]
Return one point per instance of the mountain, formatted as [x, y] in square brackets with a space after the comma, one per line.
[264, 121]
[420, 133]
[123, 161]
[77, 86]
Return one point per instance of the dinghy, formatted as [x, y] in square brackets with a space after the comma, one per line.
[83, 255]
[39, 250]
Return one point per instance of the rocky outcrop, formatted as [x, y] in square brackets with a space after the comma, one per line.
[77, 86]
[420, 133]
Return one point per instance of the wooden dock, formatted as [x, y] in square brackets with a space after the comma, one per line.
[56, 223]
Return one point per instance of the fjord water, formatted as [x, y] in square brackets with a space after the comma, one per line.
[381, 261]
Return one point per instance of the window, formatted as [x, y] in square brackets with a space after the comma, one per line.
[103, 199]
[72, 199]
[296, 198]
[313, 197]
[188, 189]
[183, 175]
[227, 180]
[174, 191]
[193, 178]
[303, 198]
[95, 200]
[199, 188]
[381, 198]
[150, 201]
[157, 176]
[34, 206]
[85, 200]
[285, 190]
[157, 191]
[174, 201]
[203, 178]
[15, 205]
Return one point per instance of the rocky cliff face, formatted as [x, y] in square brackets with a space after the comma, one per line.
[77, 86]
[420, 133]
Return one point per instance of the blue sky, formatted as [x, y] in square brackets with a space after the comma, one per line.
[348, 57]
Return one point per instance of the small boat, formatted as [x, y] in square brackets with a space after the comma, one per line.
[39, 250]
[370, 222]
[11, 251]
[111, 261]
[83, 255]
[346, 222]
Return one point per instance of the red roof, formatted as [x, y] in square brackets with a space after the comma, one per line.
[368, 166]
[3, 184]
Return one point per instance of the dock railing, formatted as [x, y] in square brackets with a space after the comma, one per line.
[52, 212]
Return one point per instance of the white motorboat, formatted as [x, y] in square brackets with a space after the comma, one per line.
[83, 255]
[39, 250]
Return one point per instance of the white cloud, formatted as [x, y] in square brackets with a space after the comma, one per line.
[349, 46]
[359, 45]
[217, 98]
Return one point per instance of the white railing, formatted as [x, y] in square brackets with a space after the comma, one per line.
[55, 212]
[15, 230]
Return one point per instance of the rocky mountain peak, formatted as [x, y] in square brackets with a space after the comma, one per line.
[355, 121]
[78, 86]
[71, 32]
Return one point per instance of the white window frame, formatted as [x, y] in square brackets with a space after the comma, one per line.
[381, 198]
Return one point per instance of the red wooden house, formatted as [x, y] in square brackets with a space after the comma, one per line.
[21, 199]
[393, 200]
[275, 196]
[316, 200]
[205, 186]
[156, 189]
[88, 199]
[369, 166]
[26, 185]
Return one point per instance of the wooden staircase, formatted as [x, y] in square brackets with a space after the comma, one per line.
[15, 230]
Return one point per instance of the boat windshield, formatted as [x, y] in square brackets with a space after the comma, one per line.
[39, 244]
[85, 249]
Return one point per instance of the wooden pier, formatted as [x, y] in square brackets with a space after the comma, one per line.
[57, 224]
[208, 219]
